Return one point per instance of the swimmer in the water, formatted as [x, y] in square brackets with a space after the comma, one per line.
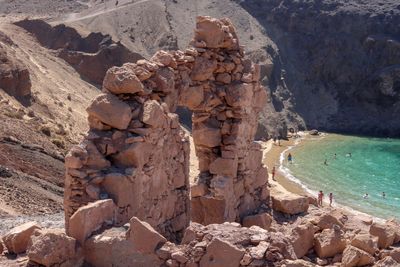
[383, 195]
[334, 156]
[289, 158]
[326, 162]
[365, 196]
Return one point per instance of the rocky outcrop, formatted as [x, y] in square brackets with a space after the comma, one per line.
[52, 247]
[353, 256]
[386, 234]
[289, 203]
[17, 239]
[91, 56]
[329, 242]
[224, 125]
[14, 76]
[136, 153]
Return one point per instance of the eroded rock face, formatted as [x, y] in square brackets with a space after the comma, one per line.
[224, 125]
[14, 76]
[52, 247]
[17, 239]
[136, 153]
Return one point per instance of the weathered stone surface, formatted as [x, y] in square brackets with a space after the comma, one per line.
[215, 33]
[395, 254]
[90, 218]
[302, 238]
[262, 220]
[289, 203]
[387, 262]
[144, 238]
[153, 113]
[1, 247]
[221, 253]
[327, 221]
[206, 136]
[224, 167]
[108, 109]
[353, 256]
[329, 242]
[122, 80]
[385, 234]
[50, 247]
[17, 239]
[365, 242]
[111, 248]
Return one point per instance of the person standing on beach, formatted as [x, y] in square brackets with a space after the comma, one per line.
[330, 199]
[289, 158]
[320, 198]
[273, 173]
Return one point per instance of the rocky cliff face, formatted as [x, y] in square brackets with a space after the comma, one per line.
[337, 63]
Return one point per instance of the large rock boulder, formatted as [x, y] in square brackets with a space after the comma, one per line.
[387, 262]
[111, 248]
[17, 239]
[365, 242]
[289, 203]
[353, 256]
[90, 218]
[122, 80]
[109, 110]
[1, 247]
[214, 33]
[144, 238]
[386, 234]
[221, 253]
[327, 221]
[329, 242]
[14, 76]
[302, 238]
[262, 220]
[50, 247]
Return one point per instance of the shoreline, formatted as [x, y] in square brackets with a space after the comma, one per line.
[272, 154]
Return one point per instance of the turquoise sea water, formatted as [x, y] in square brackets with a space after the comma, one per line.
[373, 168]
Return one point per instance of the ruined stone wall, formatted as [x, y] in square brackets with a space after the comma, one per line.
[232, 181]
[137, 154]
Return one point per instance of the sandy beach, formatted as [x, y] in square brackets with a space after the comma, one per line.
[271, 155]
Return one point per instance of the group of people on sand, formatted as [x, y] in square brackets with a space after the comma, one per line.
[321, 198]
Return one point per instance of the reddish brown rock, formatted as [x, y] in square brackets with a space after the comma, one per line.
[1, 247]
[226, 167]
[110, 248]
[353, 256]
[221, 253]
[153, 114]
[90, 218]
[297, 263]
[17, 239]
[262, 220]
[14, 76]
[327, 221]
[387, 262]
[122, 80]
[144, 238]
[365, 242]
[302, 238]
[329, 242]
[385, 234]
[50, 247]
[289, 203]
[215, 33]
[108, 109]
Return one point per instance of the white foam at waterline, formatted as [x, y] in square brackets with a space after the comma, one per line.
[288, 174]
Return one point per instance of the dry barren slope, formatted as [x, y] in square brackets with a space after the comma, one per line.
[35, 135]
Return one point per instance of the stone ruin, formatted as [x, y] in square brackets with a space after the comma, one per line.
[137, 154]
